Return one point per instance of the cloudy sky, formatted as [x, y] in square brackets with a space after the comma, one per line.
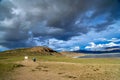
[60, 24]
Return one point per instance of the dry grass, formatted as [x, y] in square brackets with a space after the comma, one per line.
[60, 68]
[74, 71]
[67, 71]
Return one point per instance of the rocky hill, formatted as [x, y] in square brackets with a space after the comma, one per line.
[31, 51]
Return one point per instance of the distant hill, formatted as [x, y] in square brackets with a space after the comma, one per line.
[71, 54]
[31, 51]
[114, 48]
[104, 55]
[108, 50]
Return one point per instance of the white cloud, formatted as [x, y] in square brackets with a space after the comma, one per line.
[114, 40]
[75, 48]
[111, 44]
[101, 39]
[55, 44]
[109, 40]
[16, 11]
[94, 46]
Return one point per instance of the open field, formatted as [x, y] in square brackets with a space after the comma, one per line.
[59, 68]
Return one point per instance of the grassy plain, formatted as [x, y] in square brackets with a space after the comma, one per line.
[60, 68]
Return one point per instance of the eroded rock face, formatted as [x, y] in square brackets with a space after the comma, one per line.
[42, 49]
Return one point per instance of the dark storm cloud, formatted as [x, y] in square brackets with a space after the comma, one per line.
[4, 11]
[52, 18]
[103, 7]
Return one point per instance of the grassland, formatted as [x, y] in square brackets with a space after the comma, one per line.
[63, 68]
[7, 66]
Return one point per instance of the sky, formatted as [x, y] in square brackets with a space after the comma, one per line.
[63, 25]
